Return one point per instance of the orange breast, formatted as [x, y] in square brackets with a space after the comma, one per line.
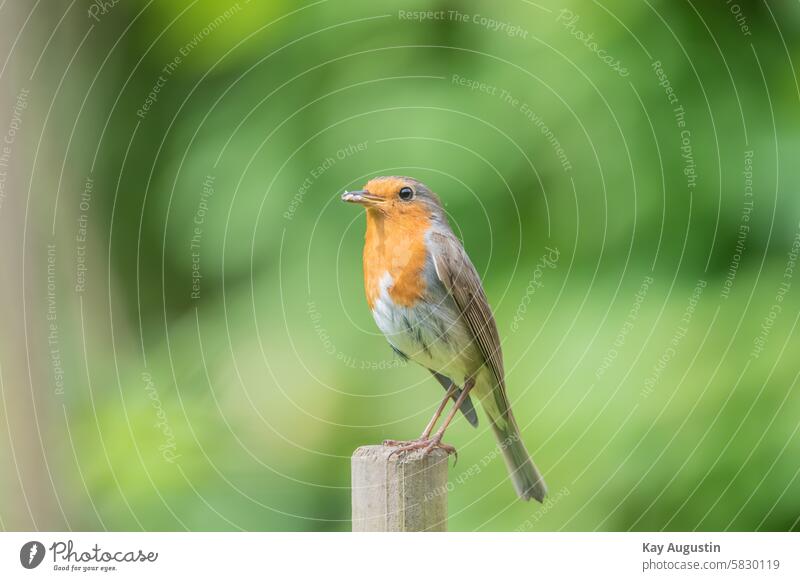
[395, 245]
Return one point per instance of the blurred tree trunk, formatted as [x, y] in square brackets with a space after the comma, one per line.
[35, 455]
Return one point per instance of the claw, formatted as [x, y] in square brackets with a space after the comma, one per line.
[402, 445]
[426, 444]
[437, 443]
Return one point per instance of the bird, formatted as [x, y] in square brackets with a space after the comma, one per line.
[428, 301]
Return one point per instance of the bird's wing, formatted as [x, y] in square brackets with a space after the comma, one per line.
[455, 270]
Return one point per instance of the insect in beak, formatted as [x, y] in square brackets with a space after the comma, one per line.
[362, 197]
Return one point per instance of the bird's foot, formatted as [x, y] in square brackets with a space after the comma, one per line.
[393, 443]
[425, 444]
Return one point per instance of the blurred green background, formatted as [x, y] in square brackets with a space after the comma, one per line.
[185, 340]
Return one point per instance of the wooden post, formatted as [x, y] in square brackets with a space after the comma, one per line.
[399, 492]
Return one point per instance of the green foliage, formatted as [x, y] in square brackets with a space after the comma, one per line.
[275, 372]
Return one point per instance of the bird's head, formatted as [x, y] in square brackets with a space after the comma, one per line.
[397, 197]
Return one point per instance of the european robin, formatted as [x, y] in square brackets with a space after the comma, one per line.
[427, 299]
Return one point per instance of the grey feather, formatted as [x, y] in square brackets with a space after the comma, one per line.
[455, 270]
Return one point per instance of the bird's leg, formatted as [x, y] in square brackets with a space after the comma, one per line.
[429, 428]
[427, 443]
[436, 440]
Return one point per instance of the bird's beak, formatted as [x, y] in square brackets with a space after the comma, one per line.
[362, 197]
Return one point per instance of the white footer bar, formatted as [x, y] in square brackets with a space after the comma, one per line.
[379, 557]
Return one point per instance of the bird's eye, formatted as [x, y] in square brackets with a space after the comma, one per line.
[406, 193]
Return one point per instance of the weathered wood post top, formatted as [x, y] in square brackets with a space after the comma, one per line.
[404, 491]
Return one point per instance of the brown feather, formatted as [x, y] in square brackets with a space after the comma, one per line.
[459, 276]
[457, 273]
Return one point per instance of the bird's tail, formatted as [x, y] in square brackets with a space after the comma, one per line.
[527, 479]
